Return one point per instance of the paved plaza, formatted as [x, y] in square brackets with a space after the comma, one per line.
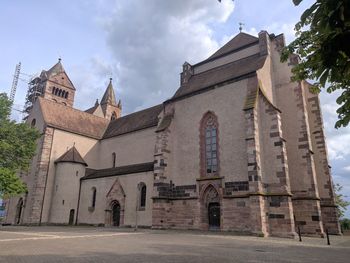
[87, 244]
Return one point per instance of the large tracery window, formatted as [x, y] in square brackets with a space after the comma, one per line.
[209, 145]
[211, 149]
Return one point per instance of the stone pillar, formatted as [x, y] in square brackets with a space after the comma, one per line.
[161, 184]
[329, 213]
[296, 130]
[40, 177]
[257, 201]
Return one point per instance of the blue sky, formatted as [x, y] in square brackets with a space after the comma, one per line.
[142, 45]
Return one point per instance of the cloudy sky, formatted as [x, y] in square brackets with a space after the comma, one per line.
[142, 45]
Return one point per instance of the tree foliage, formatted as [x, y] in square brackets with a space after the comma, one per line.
[323, 45]
[345, 224]
[339, 200]
[17, 147]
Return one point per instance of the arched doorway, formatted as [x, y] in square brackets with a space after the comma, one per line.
[19, 211]
[71, 217]
[210, 208]
[116, 214]
[214, 215]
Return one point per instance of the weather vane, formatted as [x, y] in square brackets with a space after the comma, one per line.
[240, 26]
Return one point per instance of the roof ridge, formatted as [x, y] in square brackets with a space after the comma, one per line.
[130, 114]
[229, 64]
[71, 108]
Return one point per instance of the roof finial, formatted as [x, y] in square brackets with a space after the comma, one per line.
[110, 79]
[59, 59]
[240, 26]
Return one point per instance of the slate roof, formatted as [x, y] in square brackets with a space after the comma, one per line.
[93, 108]
[71, 156]
[242, 40]
[72, 120]
[121, 170]
[133, 122]
[234, 70]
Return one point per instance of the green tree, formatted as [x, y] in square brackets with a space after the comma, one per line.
[339, 200]
[17, 147]
[323, 45]
[345, 224]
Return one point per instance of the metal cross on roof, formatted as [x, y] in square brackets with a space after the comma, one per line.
[240, 26]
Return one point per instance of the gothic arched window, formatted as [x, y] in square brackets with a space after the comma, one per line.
[209, 145]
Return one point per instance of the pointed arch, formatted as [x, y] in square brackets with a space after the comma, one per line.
[209, 193]
[210, 207]
[115, 195]
[209, 145]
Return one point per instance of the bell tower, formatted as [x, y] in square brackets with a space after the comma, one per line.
[111, 109]
[53, 84]
[57, 85]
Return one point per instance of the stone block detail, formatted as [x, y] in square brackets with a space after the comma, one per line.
[169, 190]
[231, 187]
[305, 212]
[39, 185]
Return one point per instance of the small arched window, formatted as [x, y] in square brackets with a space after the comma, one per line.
[114, 159]
[32, 124]
[114, 116]
[93, 200]
[59, 92]
[53, 90]
[56, 91]
[143, 190]
[66, 95]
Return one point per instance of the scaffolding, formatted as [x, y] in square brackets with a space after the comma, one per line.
[15, 82]
[35, 90]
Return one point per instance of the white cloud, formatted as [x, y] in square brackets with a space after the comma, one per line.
[347, 168]
[150, 40]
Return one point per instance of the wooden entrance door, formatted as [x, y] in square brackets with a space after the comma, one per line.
[116, 214]
[214, 215]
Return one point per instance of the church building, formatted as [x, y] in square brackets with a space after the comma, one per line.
[238, 147]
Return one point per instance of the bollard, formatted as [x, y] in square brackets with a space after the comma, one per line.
[299, 234]
[328, 243]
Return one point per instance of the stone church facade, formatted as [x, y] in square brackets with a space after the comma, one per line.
[239, 147]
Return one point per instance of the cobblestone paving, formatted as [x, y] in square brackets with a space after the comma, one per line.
[79, 244]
